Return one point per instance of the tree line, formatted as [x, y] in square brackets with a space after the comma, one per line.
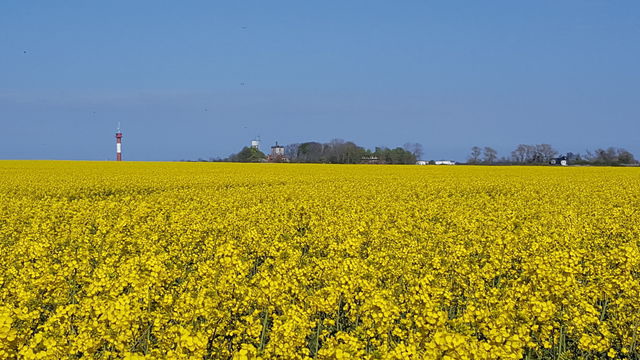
[544, 153]
[337, 151]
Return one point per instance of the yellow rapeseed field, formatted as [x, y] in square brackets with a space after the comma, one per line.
[217, 261]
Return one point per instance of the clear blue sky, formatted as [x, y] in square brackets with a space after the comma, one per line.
[191, 79]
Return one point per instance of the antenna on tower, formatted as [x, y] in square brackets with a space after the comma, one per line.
[118, 126]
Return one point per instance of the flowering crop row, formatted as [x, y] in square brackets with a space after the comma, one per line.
[201, 260]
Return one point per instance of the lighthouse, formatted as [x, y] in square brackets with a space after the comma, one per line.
[118, 144]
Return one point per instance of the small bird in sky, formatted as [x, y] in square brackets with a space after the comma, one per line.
[242, 83]
[244, 28]
[24, 52]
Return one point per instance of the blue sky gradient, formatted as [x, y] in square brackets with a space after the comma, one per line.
[202, 78]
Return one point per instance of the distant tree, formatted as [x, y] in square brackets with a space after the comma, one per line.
[474, 158]
[490, 155]
[521, 154]
[545, 153]
[573, 158]
[394, 156]
[333, 151]
[610, 156]
[414, 148]
[351, 153]
[588, 156]
[291, 151]
[418, 150]
[533, 154]
[625, 157]
[310, 152]
[248, 154]
[337, 151]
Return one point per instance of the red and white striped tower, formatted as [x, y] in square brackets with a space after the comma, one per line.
[118, 144]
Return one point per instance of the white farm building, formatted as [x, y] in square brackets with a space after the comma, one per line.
[445, 162]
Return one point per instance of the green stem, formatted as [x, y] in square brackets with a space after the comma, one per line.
[264, 330]
[315, 354]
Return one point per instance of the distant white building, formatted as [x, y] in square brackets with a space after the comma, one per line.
[445, 162]
[277, 150]
[421, 162]
[562, 161]
[370, 160]
[277, 154]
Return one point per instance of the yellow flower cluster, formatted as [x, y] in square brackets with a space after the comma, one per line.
[247, 261]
